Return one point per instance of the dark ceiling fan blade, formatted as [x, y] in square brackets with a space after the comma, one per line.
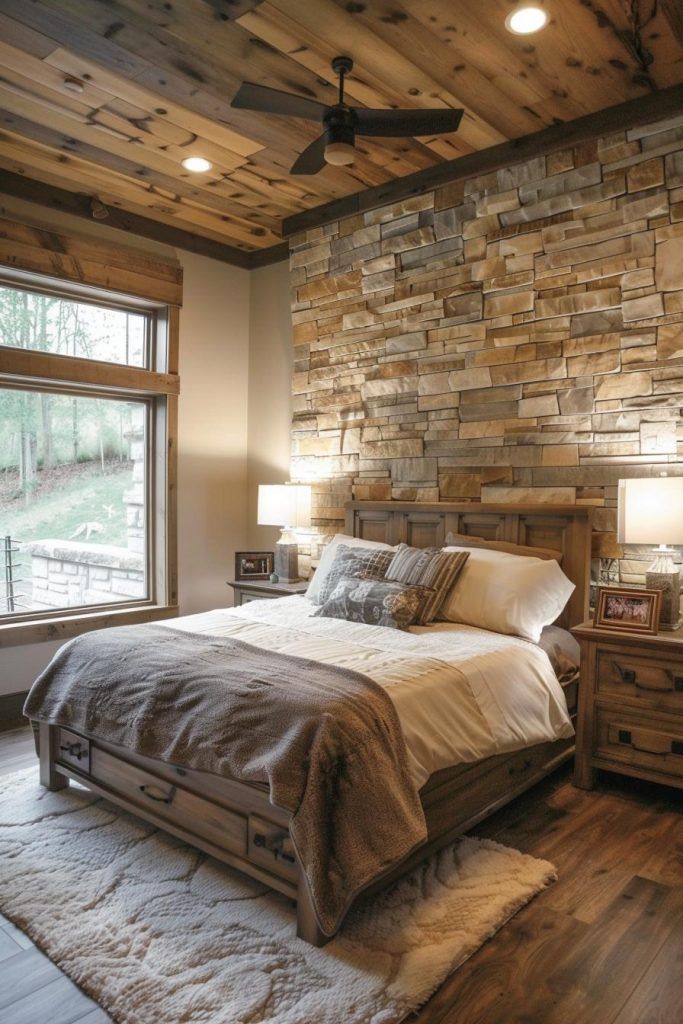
[312, 159]
[272, 101]
[407, 122]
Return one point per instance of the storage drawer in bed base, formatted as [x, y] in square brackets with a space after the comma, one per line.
[222, 825]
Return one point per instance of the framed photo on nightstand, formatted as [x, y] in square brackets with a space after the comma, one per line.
[635, 611]
[253, 565]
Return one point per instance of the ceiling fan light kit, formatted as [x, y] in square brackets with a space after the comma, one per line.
[340, 154]
[525, 18]
[341, 123]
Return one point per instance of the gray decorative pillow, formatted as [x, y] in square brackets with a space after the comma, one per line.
[374, 602]
[350, 563]
[428, 567]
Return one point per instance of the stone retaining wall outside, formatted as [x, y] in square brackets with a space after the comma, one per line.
[66, 574]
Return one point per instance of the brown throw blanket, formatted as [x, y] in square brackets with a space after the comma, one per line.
[326, 740]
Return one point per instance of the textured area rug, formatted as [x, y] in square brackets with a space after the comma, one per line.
[158, 933]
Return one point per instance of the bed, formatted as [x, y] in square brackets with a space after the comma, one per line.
[236, 822]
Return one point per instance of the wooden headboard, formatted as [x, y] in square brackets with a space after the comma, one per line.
[562, 528]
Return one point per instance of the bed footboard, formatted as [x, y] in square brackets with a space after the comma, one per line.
[236, 823]
[232, 821]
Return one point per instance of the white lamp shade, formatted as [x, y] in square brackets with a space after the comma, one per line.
[651, 511]
[284, 505]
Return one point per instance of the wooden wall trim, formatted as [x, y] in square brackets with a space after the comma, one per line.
[652, 107]
[78, 204]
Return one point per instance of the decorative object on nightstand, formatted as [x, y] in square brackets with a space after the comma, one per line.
[288, 506]
[257, 590]
[253, 565]
[636, 611]
[630, 716]
[651, 512]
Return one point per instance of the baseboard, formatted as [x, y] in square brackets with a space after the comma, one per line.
[11, 705]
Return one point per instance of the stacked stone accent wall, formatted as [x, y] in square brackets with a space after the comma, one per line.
[516, 337]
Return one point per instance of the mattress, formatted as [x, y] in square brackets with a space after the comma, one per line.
[461, 693]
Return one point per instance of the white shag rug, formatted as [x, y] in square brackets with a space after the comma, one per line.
[157, 933]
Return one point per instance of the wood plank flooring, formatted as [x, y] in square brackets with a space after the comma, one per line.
[604, 945]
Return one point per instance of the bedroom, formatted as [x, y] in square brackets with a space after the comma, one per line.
[468, 342]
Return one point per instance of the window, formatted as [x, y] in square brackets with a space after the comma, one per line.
[86, 415]
[49, 323]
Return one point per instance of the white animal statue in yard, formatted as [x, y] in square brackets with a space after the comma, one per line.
[86, 529]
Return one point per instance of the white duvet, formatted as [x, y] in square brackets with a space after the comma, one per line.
[461, 693]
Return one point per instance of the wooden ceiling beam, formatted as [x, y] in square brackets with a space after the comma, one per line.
[79, 205]
[652, 107]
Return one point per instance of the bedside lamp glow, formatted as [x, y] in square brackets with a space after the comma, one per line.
[651, 512]
[288, 506]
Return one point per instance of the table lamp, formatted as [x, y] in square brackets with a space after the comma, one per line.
[288, 506]
[651, 512]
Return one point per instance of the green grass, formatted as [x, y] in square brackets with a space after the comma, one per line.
[65, 500]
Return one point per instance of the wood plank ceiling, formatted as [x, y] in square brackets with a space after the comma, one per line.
[154, 80]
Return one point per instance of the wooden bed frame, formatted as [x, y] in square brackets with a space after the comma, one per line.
[235, 822]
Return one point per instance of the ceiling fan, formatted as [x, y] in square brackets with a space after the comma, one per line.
[342, 123]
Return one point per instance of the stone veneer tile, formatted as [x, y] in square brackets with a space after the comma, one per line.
[510, 338]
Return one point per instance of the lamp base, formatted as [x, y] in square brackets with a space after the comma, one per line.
[670, 585]
[287, 562]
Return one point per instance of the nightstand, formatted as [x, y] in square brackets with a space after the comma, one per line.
[630, 705]
[257, 590]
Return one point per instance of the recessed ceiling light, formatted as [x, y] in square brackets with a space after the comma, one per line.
[526, 18]
[73, 85]
[197, 164]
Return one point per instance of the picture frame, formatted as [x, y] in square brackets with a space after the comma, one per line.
[254, 565]
[628, 609]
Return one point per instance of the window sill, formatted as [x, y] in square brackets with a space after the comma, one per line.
[35, 631]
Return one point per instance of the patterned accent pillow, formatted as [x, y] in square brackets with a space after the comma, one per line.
[428, 567]
[352, 562]
[374, 602]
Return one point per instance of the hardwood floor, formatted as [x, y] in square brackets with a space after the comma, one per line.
[604, 945]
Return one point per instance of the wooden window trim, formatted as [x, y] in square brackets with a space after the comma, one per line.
[61, 626]
[35, 370]
[21, 364]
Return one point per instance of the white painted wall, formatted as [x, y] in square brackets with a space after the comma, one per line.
[213, 426]
[234, 420]
[270, 392]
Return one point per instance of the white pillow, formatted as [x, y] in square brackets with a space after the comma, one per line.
[506, 593]
[327, 558]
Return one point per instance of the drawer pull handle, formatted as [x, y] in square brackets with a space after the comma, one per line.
[275, 844]
[630, 676]
[73, 750]
[156, 794]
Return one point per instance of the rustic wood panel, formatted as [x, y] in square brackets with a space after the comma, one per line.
[512, 337]
[154, 82]
[91, 262]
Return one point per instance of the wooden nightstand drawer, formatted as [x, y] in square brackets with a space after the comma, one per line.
[656, 683]
[649, 742]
